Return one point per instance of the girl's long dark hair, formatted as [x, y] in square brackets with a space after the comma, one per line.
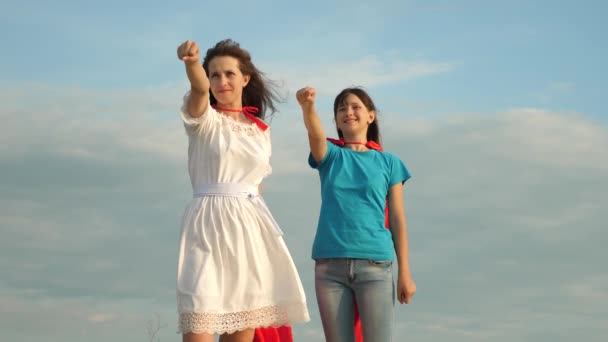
[260, 91]
[373, 131]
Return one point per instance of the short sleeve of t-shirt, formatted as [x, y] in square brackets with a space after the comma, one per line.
[398, 171]
[329, 156]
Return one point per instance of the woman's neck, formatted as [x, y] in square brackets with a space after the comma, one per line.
[232, 110]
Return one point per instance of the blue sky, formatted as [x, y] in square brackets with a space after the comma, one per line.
[495, 107]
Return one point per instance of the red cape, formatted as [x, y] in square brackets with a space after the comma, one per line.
[281, 334]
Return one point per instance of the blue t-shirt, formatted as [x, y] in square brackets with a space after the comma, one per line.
[354, 190]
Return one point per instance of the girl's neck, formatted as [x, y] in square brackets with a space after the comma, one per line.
[356, 142]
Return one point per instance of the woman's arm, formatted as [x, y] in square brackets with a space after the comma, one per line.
[199, 83]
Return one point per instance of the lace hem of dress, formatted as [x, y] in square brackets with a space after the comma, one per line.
[211, 323]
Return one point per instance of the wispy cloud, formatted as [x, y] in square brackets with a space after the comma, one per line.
[331, 76]
[554, 90]
[593, 290]
[100, 317]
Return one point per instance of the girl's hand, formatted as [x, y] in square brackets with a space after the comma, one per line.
[188, 52]
[405, 288]
[306, 97]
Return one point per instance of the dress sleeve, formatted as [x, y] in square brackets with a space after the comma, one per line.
[192, 124]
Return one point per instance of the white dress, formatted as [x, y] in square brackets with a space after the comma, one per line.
[234, 270]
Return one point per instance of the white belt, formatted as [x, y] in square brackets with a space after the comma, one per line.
[226, 189]
[239, 190]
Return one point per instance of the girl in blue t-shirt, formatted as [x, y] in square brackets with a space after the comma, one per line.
[362, 196]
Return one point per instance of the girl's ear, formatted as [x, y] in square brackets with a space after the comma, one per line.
[246, 78]
[372, 117]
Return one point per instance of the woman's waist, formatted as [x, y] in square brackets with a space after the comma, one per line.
[243, 190]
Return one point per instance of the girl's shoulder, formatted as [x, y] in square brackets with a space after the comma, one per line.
[389, 155]
[391, 159]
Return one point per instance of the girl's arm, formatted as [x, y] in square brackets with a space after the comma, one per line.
[316, 135]
[199, 83]
[405, 284]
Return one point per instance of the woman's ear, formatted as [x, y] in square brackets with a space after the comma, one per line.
[246, 79]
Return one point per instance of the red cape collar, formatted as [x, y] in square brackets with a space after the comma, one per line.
[370, 144]
[249, 112]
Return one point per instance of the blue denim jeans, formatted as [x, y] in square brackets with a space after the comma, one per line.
[338, 282]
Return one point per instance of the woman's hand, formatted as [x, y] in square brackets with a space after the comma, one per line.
[188, 52]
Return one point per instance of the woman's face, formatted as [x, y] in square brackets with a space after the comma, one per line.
[227, 81]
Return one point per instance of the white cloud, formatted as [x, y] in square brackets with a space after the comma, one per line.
[63, 319]
[88, 123]
[557, 139]
[492, 204]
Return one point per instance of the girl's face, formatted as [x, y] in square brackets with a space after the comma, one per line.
[352, 117]
[227, 81]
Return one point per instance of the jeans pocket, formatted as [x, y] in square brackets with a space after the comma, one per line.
[381, 263]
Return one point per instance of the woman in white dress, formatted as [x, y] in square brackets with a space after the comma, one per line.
[234, 271]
